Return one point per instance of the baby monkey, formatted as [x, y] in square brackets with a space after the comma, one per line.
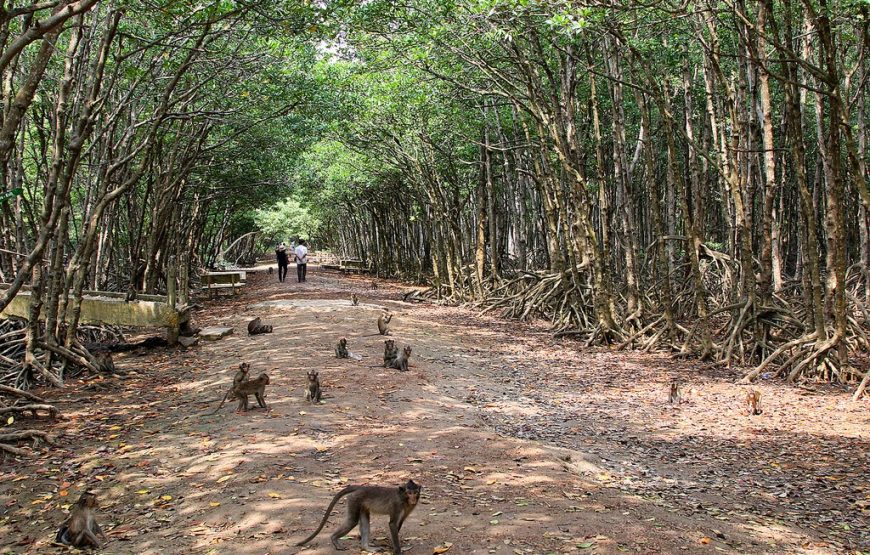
[354, 300]
[240, 377]
[80, 529]
[313, 393]
[401, 361]
[341, 349]
[674, 395]
[255, 387]
[397, 502]
[753, 399]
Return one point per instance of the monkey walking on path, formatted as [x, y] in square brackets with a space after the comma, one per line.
[363, 501]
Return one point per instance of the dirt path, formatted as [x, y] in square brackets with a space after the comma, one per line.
[523, 444]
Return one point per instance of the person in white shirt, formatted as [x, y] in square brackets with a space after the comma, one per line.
[301, 260]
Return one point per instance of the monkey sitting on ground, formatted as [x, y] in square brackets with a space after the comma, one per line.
[363, 501]
[271, 270]
[401, 362]
[313, 392]
[131, 294]
[354, 300]
[80, 529]
[391, 352]
[341, 349]
[240, 377]
[674, 395]
[753, 399]
[256, 327]
[383, 320]
[255, 387]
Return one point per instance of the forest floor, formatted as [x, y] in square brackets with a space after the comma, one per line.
[523, 444]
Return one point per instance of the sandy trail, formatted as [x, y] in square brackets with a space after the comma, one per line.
[523, 444]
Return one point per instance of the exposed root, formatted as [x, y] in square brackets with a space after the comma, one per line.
[23, 435]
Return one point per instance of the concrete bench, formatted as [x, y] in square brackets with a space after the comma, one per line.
[352, 265]
[217, 281]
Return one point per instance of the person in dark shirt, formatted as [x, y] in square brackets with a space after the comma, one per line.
[283, 261]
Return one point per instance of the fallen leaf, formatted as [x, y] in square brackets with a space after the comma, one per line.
[443, 548]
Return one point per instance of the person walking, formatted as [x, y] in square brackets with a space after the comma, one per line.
[301, 260]
[283, 260]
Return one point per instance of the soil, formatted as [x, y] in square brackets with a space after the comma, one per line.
[523, 444]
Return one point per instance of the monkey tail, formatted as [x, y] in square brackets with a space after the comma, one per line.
[339, 495]
[224, 400]
[63, 535]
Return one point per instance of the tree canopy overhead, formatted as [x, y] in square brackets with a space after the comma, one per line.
[685, 176]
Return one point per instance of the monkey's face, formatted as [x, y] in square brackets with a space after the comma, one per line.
[389, 344]
[244, 367]
[412, 492]
[342, 341]
[312, 377]
[407, 351]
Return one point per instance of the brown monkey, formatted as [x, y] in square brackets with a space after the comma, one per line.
[341, 349]
[80, 529]
[397, 502]
[256, 327]
[255, 387]
[131, 294]
[401, 362]
[674, 395]
[753, 399]
[240, 377]
[271, 270]
[383, 320]
[313, 392]
[391, 352]
[354, 300]
[374, 284]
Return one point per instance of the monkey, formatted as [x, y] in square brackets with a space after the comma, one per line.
[374, 285]
[271, 270]
[401, 362]
[341, 349]
[313, 391]
[753, 399]
[255, 387]
[131, 294]
[103, 361]
[240, 377]
[383, 320]
[80, 529]
[397, 502]
[256, 327]
[354, 300]
[391, 352]
[674, 395]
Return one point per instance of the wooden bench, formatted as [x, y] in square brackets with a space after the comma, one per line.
[352, 265]
[217, 281]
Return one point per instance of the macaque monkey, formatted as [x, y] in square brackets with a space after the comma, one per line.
[341, 349]
[383, 320]
[363, 501]
[674, 395]
[80, 529]
[131, 294]
[256, 327]
[313, 392]
[753, 399]
[255, 387]
[271, 270]
[354, 300]
[391, 352]
[240, 377]
[374, 284]
[103, 361]
[401, 362]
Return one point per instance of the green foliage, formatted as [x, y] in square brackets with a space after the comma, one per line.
[284, 220]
